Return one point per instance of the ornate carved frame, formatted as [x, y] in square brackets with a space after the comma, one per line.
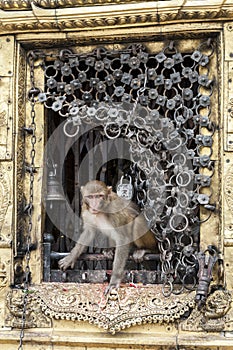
[75, 22]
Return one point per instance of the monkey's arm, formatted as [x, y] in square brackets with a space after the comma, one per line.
[78, 249]
[121, 255]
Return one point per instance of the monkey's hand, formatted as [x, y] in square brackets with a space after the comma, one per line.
[111, 288]
[69, 260]
[138, 255]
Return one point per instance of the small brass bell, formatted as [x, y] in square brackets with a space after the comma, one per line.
[54, 193]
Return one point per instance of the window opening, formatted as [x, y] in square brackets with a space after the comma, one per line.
[152, 112]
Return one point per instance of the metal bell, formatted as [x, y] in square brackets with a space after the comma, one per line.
[53, 189]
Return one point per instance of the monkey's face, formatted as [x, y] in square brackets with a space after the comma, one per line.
[95, 202]
[95, 195]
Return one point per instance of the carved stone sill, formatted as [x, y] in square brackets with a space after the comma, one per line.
[119, 310]
[127, 307]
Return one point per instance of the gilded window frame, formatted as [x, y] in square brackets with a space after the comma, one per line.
[225, 131]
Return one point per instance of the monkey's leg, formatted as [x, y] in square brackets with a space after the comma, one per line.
[121, 255]
[78, 249]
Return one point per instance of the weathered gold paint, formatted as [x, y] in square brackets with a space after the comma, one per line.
[25, 26]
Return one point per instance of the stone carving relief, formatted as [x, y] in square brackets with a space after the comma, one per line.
[213, 317]
[14, 310]
[119, 310]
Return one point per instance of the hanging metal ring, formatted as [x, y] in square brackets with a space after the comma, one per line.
[69, 121]
[199, 147]
[182, 155]
[168, 285]
[180, 182]
[107, 132]
[185, 203]
[182, 217]
[209, 45]
[51, 75]
[174, 147]
[102, 113]
[186, 285]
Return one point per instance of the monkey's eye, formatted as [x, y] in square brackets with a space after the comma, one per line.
[95, 196]
[99, 196]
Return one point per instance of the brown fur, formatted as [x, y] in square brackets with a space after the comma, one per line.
[120, 220]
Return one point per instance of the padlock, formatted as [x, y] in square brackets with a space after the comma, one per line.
[125, 190]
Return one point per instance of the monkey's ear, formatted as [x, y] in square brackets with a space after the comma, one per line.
[81, 188]
[109, 189]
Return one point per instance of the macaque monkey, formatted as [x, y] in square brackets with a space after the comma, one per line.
[118, 219]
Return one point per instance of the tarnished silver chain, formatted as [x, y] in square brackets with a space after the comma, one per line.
[29, 208]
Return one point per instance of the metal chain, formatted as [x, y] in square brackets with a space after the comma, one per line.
[29, 208]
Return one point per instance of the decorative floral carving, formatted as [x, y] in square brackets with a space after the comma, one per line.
[212, 317]
[218, 304]
[120, 309]
[34, 316]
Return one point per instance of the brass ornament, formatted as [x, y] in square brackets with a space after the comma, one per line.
[119, 310]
